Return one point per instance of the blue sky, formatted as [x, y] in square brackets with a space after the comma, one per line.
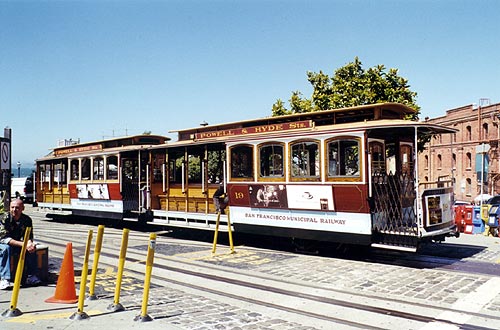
[94, 69]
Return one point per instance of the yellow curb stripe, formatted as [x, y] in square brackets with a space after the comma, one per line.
[32, 318]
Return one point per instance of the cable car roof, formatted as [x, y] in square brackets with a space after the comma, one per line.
[108, 146]
[327, 117]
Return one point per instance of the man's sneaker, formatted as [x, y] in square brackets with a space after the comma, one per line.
[33, 280]
[5, 284]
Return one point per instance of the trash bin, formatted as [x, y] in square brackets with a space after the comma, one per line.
[470, 223]
[460, 217]
[477, 225]
[493, 216]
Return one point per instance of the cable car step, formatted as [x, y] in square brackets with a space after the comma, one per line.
[394, 247]
[400, 232]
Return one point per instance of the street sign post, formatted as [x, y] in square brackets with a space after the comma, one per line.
[5, 165]
[482, 149]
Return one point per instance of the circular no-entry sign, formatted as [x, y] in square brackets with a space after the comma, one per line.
[5, 155]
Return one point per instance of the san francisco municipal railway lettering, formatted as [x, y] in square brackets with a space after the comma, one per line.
[296, 218]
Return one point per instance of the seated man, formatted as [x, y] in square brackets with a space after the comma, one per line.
[12, 230]
[4, 265]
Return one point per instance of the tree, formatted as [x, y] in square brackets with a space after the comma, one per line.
[350, 85]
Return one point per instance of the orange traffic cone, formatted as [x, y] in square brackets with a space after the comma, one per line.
[65, 288]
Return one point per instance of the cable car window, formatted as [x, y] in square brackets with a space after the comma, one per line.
[271, 161]
[176, 159]
[60, 173]
[44, 172]
[377, 157]
[158, 161]
[305, 162]
[194, 165]
[390, 157]
[216, 160]
[75, 169]
[242, 162]
[112, 167]
[130, 169]
[343, 158]
[406, 158]
[98, 168]
[85, 169]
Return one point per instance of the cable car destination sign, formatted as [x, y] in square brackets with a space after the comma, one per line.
[70, 150]
[279, 127]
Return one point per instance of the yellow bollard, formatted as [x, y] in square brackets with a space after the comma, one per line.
[116, 306]
[95, 265]
[230, 233]
[13, 310]
[80, 314]
[216, 233]
[147, 280]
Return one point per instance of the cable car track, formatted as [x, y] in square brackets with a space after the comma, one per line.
[430, 259]
[418, 261]
[310, 298]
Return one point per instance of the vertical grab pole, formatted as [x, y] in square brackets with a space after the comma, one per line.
[116, 306]
[95, 265]
[144, 317]
[13, 311]
[80, 314]
[182, 178]
[163, 176]
[370, 176]
[419, 202]
[148, 189]
[230, 232]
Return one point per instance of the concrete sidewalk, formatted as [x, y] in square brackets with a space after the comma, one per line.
[42, 315]
[479, 240]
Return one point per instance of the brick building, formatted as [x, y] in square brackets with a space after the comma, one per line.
[461, 152]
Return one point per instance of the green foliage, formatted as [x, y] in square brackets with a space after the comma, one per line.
[216, 165]
[350, 86]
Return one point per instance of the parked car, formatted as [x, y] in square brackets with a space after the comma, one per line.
[22, 188]
[494, 200]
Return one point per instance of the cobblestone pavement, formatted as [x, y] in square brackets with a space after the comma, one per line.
[189, 311]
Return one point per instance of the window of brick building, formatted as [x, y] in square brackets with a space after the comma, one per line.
[469, 133]
[469, 161]
[468, 187]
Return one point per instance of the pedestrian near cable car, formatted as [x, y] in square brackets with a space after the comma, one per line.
[4, 265]
[220, 199]
[12, 229]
